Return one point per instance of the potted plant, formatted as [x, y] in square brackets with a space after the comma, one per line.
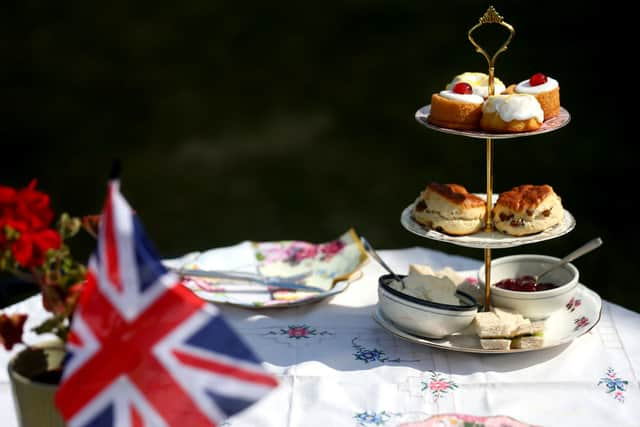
[33, 248]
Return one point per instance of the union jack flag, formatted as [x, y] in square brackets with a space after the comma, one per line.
[143, 350]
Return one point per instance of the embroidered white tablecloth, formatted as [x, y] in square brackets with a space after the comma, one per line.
[338, 367]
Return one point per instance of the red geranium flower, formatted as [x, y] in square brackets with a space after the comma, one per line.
[25, 216]
[11, 327]
[32, 206]
[30, 248]
[7, 198]
[35, 252]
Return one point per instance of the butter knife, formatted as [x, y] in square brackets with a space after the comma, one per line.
[286, 283]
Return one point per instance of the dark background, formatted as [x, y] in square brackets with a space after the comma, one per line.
[242, 120]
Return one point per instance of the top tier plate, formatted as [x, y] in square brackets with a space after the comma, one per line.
[549, 125]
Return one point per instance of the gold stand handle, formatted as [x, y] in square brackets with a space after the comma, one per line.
[489, 17]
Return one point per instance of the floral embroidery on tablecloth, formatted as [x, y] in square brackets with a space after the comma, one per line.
[373, 418]
[573, 304]
[615, 386]
[367, 355]
[580, 322]
[438, 386]
[297, 332]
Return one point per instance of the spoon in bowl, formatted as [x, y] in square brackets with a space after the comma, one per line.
[587, 247]
[372, 252]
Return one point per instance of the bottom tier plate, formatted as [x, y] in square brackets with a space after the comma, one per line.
[578, 317]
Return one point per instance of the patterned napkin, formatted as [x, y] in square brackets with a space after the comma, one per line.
[330, 265]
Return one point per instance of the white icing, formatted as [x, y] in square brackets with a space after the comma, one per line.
[467, 98]
[518, 106]
[525, 87]
[479, 83]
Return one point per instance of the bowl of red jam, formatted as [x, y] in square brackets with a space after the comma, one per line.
[525, 284]
[513, 285]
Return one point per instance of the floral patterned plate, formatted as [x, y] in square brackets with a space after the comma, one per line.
[580, 314]
[331, 266]
[464, 420]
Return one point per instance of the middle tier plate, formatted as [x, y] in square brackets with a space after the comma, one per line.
[484, 239]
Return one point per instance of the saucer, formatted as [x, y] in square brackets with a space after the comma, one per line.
[580, 314]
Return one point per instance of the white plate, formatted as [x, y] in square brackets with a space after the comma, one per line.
[579, 316]
[330, 266]
[249, 295]
[484, 239]
[554, 123]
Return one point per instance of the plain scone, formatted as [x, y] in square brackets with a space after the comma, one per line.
[450, 208]
[527, 209]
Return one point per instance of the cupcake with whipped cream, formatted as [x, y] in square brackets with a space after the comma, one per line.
[517, 112]
[479, 83]
[545, 89]
[456, 108]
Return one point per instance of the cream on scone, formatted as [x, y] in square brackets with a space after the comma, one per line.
[527, 209]
[450, 208]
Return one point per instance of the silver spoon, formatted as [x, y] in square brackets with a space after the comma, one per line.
[587, 247]
[374, 255]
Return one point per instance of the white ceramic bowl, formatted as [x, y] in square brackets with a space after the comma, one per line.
[421, 317]
[534, 305]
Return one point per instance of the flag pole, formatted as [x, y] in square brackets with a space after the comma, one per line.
[116, 169]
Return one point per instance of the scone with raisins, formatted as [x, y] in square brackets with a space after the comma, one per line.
[527, 209]
[450, 209]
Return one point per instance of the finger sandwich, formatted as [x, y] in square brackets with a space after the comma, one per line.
[501, 329]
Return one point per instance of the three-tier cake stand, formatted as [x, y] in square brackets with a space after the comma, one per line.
[489, 238]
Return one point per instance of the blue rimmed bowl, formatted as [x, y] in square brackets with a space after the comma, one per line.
[422, 317]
